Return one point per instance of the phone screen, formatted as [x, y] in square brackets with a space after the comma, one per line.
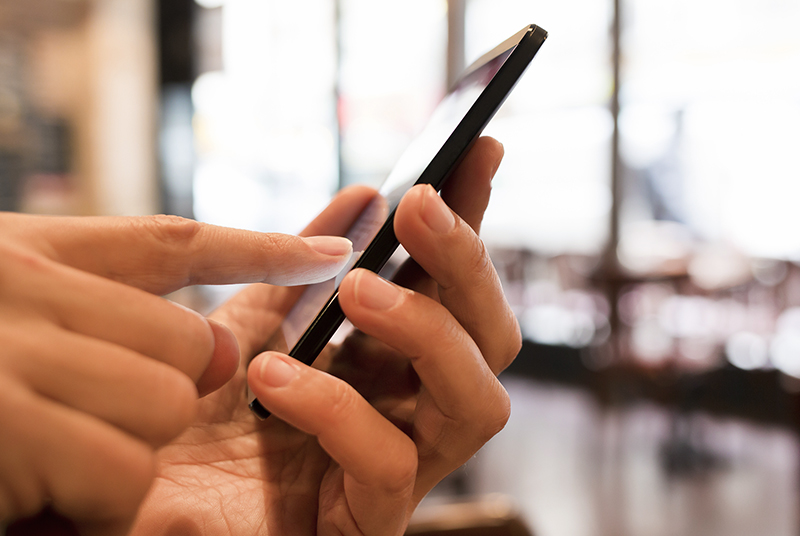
[455, 124]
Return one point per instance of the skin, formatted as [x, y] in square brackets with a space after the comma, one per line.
[348, 457]
[91, 356]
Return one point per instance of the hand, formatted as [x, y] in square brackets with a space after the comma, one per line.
[96, 370]
[338, 459]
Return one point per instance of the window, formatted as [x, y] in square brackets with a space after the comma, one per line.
[265, 125]
[710, 120]
[552, 191]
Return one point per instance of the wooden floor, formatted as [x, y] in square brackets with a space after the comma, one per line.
[577, 469]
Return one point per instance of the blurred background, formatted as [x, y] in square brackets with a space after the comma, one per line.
[645, 221]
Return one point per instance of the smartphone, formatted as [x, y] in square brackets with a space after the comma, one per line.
[430, 159]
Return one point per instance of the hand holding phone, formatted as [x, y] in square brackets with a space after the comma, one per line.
[432, 157]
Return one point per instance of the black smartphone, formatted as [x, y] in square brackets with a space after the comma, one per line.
[430, 159]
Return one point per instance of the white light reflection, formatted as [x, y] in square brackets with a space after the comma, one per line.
[741, 181]
[568, 317]
[689, 316]
[554, 324]
[785, 353]
[710, 121]
[785, 347]
[650, 342]
[747, 351]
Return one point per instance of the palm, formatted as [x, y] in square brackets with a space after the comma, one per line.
[230, 474]
[236, 475]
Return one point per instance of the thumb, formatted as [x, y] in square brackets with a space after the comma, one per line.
[160, 254]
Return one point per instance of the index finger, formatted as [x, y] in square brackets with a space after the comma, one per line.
[160, 254]
[254, 313]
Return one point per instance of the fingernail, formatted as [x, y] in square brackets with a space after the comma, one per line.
[335, 246]
[374, 292]
[435, 213]
[276, 372]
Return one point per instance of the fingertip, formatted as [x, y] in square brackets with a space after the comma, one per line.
[309, 260]
[271, 370]
[331, 246]
[224, 361]
[493, 145]
[409, 208]
[488, 149]
[349, 290]
[469, 190]
[369, 290]
[415, 195]
[499, 152]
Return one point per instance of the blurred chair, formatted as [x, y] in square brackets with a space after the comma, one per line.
[493, 515]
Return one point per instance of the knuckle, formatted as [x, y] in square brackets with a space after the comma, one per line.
[343, 400]
[403, 470]
[19, 267]
[279, 241]
[22, 259]
[441, 327]
[513, 344]
[171, 230]
[399, 475]
[170, 241]
[497, 415]
[479, 265]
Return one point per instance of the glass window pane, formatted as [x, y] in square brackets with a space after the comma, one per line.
[265, 125]
[710, 120]
[392, 76]
[552, 192]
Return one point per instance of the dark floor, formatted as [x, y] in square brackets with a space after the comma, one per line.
[576, 468]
